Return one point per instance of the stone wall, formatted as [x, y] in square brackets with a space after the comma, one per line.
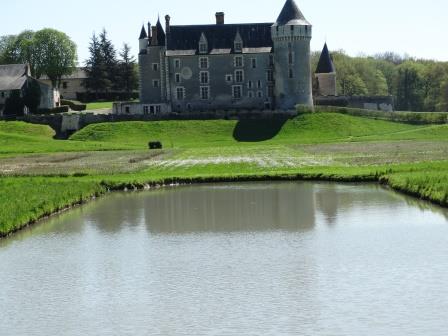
[379, 103]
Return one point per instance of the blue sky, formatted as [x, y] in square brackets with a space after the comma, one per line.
[356, 26]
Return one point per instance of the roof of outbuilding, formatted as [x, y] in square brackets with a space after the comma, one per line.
[291, 15]
[325, 64]
[13, 77]
[220, 37]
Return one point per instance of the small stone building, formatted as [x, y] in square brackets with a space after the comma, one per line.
[247, 66]
[16, 77]
[71, 85]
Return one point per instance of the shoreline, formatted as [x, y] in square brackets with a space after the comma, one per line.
[174, 182]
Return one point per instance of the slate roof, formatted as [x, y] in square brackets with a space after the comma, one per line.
[325, 64]
[220, 37]
[291, 15]
[160, 34]
[143, 34]
[13, 77]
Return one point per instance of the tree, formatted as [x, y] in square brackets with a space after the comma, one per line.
[95, 68]
[55, 55]
[410, 93]
[128, 80]
[109, 55]
[18, 49]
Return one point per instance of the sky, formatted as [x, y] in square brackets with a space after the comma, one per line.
[355, 26]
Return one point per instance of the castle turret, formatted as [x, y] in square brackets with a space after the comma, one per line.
[326, 74]
[143, 40]
[291, 35]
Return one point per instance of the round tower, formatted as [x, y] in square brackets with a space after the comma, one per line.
[326, 74]
[143, 40]
[291, 35]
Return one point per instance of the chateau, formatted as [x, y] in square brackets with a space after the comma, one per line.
[225, 66]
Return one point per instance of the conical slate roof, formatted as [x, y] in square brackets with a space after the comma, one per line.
[291, 15]
[143, 34]
[325, 64]
[160, 34]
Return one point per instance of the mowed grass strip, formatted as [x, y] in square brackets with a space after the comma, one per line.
[25, 200]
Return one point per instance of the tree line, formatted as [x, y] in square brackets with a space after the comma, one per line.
[417, 85]
[110, 72]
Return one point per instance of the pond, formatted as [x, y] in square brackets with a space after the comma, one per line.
[280, 258]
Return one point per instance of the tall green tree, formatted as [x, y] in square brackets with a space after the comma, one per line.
[97, 78]
[109, 55]
[410, 89]
[128, 78]
[55, 55]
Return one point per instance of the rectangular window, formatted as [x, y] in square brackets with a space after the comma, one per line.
[259, 84]
[158, 108]
[155, 67]
[254, 63]
[155, 83]
[229, 78]
[203, 48]
[177, 63]
[237, 91]
[180, 93]
[291, 73]
[3, 95]
[178, 78]
[260, 94]
[250, 94]
[249, 85]
[203, 77]
[270, 76]
[205, 92]
[203, 62]
[64, 85]
[238, 47]
[291, 57]
[145, 109]
[238, 62]
[127, 109]
[239, 76]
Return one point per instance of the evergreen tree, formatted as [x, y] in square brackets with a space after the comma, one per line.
[109, 56]
[95, 69]
[128, 80]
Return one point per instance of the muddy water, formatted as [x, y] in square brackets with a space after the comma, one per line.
[236, 259]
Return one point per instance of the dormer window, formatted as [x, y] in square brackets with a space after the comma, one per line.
[238, 43]
[203, 44]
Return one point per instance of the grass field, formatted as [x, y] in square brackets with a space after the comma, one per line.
[410, 158]
[99, 106]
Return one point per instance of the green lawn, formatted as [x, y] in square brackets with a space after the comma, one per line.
[411, 158]
[99, 105]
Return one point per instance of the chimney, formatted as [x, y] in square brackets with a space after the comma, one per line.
[155, 40]
[220, 18]
[167, 23]
[149, 31]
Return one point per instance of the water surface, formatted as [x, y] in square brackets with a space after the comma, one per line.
[234, 259]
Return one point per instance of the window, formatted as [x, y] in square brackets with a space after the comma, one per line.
[237, 91]
[177, 78]
[64, 85]
[239, 76]
[203, 62]
[155, 83]
[238, 47]
[205, 92]
[158, 108]
[203, 77]
[127, 109]
[145, 109]
[203, 48]
[3, 95]
[238, 62]
[260, 94]
[250, 94]
[291, 73]
[180, 93]
[254, 63]
[270, 76]
[155, 67]
[291, 57]
[177, 63]
[259, 84]
[249, 85]
[229, 78]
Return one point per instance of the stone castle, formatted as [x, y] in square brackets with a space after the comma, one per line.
[254, 66]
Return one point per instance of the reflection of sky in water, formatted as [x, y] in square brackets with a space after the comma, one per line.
[264, 259]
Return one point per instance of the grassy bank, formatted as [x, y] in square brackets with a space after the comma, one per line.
[39, 175]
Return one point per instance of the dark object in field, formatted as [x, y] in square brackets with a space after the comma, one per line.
[155, 145]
